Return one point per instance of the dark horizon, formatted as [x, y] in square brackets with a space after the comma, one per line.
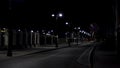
[35, 14]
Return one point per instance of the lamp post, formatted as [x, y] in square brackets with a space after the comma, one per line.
[69, 35]
[77, 29]
[58, 15]
[9, 52]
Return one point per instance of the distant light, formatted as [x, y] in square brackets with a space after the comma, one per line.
[44, 33]
[92, 25]
[88, 34]
[80, 31]
[43, 30]
[66, 23]
[4, 28]
[51, 30]
[19, 30]
[32, 31]
[60, 14]
[53, 15]
[75, 28]
[37, 31]
[78, 27]
[66, 33]
[84, 32]
[48, 34]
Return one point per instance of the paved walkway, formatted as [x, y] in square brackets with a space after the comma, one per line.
[106, 59]
[3, 54]
[42, 48]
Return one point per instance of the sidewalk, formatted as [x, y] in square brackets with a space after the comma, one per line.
[106, 59]
[42, 48]
[3, 54]
[28, 51]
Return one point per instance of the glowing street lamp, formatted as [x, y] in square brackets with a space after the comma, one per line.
[60, 14]
[53, 15]
[37, 31]
[78, 30]
[32, 31]
[19, 30]
[78, 27]
[51, 30]
[66, 23]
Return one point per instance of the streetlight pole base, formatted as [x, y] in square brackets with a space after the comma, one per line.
[9, 53]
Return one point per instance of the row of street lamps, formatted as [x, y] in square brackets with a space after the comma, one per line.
[59, 15]
[56, 16]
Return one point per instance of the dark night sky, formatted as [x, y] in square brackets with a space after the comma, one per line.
[77, 12]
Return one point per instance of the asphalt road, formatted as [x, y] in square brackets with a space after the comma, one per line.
[61, 58]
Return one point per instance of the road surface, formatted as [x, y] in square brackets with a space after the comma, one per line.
[61, 58]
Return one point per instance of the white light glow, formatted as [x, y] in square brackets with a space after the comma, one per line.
[78, 27]
[32, 31]
[48, 34]
[66, 23]
[60, 14]
[4, 28]
[19, 30]
[75, 28]
[80, 31]
[43, 33]
[66, 33]
[51, 30]
[53, 15]
[43, 30]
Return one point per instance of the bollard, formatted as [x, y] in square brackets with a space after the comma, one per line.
[56, 41]
[38, 38]
[77, 41]
[51, 39]
[45, 39]
[9, 52]
[69, 42]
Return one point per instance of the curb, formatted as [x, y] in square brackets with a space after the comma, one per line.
[44, 51]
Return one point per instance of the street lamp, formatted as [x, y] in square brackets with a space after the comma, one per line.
[77, 28]
[19, 30]
[58, 15]
[67, 23]
[68, 35]
[53, 15]
[32, 31]
[51, 30]
[9, 51]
